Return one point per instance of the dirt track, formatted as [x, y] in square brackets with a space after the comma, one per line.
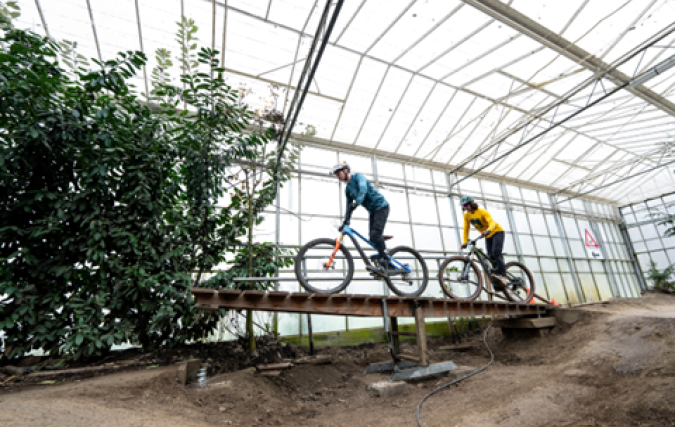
[614, 367]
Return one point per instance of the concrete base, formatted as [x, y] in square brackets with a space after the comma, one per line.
[423, 371]
[389, 389]
[187, 371]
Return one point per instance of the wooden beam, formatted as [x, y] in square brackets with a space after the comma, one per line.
[354, 304]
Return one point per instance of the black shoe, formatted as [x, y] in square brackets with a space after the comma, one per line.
[378, 267]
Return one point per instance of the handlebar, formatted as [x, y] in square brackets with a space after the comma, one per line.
[473, 242]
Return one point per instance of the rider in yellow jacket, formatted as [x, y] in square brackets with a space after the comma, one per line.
[493, 232]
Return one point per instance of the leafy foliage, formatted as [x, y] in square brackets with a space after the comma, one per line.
[107, 205]
[661, 279]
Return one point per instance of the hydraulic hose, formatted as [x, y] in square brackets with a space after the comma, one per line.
[492, 359]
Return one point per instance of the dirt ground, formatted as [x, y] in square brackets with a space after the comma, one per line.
[614, 367]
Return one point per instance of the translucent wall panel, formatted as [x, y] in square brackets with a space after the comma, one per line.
[421, 216]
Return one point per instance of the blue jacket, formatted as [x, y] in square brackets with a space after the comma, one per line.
[362, 192]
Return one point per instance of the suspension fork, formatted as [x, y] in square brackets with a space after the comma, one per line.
[465, 272]
[338, 242]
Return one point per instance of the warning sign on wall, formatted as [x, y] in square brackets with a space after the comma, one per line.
[590, 241]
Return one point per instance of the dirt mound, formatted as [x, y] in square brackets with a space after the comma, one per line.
[613, 367]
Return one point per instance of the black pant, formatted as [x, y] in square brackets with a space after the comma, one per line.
[378, 220]
[494, 246]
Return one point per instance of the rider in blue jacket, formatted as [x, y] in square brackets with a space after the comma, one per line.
[360, 191]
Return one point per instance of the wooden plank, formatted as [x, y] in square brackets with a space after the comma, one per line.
[350, 305]
[421, 337]
[408, 357]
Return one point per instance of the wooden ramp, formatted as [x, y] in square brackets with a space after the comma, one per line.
[356, 305]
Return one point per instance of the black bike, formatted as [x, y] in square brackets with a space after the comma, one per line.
[461, 280]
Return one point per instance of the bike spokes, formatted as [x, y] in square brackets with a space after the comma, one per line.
[407, 274]
[520, 283]
[324, 266]
[460, 279]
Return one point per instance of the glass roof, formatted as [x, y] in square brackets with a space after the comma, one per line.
[464, 86]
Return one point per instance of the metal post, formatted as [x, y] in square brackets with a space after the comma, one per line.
[449, 180]
[512, 223]
[304, 265]
[563, 237]
[410, 218]
[376, 178]
[310, 335]
[633, 258]
[438, 212]
[277, 240]
[394, 337]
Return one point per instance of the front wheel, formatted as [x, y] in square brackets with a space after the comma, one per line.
[520, 283]
[460, 278]
[408, 274]
[312, 271]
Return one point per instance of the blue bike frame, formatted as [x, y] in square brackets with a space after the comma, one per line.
[351, 233]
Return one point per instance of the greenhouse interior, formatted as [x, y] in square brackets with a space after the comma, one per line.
[218, 181]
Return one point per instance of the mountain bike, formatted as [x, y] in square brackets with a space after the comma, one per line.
[326, 266]
[461, 280]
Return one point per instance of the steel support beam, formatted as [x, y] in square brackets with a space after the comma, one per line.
[323, 32]
[543, 35]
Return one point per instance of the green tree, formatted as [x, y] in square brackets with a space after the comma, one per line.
[107, 205]
[253, 180]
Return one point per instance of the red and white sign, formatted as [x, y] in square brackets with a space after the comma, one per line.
[590, 241]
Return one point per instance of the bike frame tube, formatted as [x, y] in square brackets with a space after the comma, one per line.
[351, 232]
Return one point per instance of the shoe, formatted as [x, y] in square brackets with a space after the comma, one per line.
[499, 280]
[378, 268]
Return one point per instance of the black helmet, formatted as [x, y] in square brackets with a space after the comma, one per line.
[342, 165]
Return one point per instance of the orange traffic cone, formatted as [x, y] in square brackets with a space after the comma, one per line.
[533, 300]
[553, 301]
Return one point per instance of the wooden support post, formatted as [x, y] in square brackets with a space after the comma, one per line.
[394, 337]
[310, 335]
[421, 335]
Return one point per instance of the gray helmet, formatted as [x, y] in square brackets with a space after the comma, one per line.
[465, 200]
[342, 165]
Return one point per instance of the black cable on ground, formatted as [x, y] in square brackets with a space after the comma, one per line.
[492, 359]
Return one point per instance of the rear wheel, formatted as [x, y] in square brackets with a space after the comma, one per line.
[411, 280]
[520, 283]
[311, 270]
[459, 282]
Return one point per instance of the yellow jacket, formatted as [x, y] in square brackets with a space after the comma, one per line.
[482, 220]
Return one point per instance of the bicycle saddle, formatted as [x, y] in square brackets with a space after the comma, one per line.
[387, 237]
